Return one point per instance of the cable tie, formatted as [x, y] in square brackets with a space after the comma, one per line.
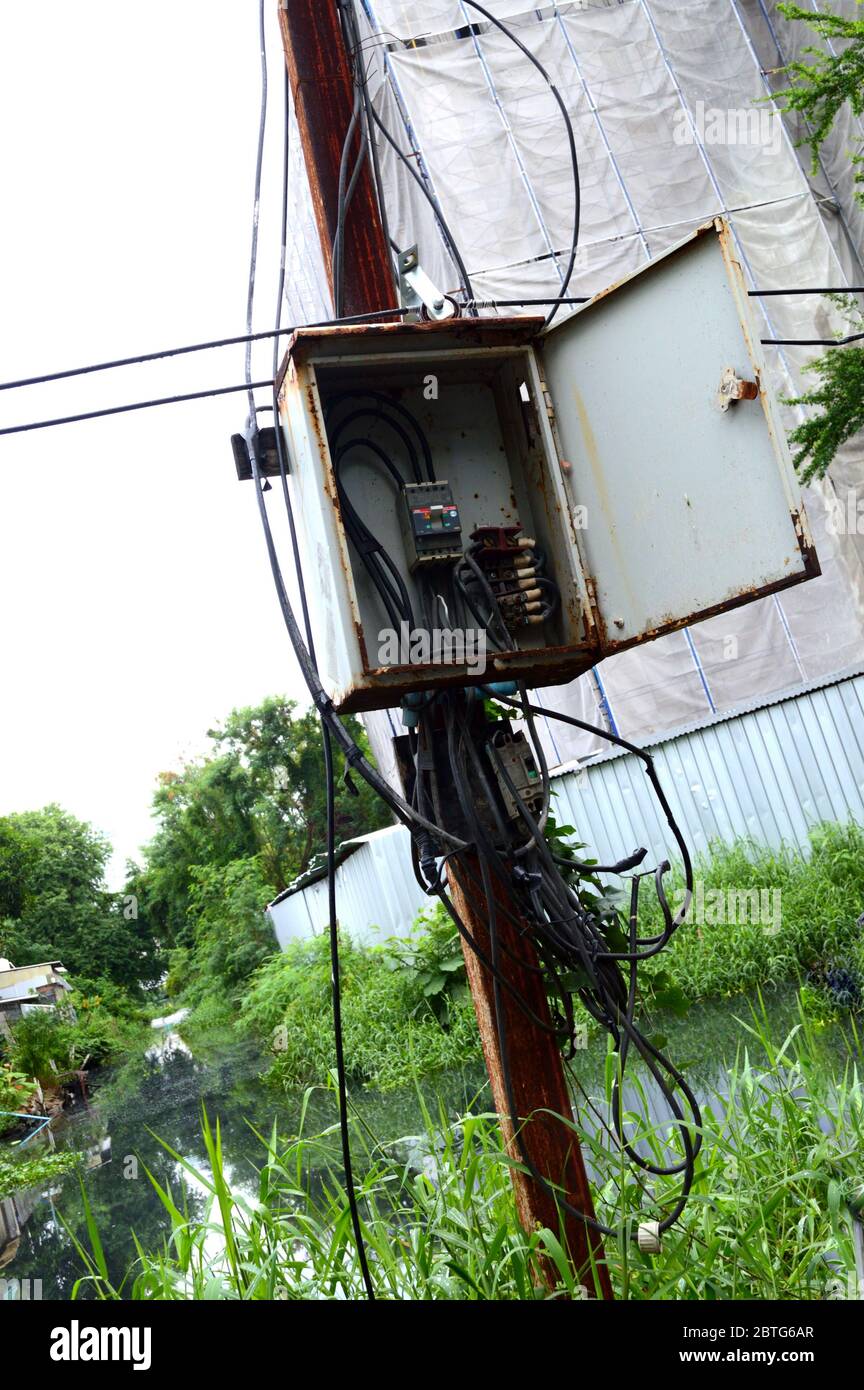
[354, 756]
[349, 783]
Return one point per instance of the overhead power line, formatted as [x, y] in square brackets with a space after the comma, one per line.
[236, 341]
[243, 338]
[823, 289]
[136, 405]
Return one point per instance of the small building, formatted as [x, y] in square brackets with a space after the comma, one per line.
[24, 988]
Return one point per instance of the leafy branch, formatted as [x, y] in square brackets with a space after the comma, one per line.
[839, 398]
[820, 88]
[817, 92]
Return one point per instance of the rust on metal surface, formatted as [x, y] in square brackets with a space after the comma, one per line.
[323, 96]
[805, 543]
[305, 343]
[556, 666]
[673, 623]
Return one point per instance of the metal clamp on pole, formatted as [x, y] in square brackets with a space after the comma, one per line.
[417, 292]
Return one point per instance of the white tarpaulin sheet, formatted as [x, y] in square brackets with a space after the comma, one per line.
[673, 123]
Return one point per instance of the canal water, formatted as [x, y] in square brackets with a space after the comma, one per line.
[162, 1093]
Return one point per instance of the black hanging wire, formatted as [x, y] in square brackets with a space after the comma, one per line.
[256, 206]
[571, 142]
[329, 772]
[352, 37]
[362, 115]
[567, 937]
[375, 316]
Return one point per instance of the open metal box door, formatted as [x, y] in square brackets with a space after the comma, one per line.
[685, 500]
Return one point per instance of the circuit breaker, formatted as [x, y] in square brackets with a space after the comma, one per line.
[515, 770]
[431, 527]
[541, 497]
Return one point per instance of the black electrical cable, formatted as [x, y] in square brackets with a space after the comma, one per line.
[338, 235]
[239, 339]
[256, 207]
[605, 995]
[236, 341]
[571, 140]
[344, 198]
[813, 342]
[335, 973]
[136, 405]
[256, 385]
[283, 230]
[351, 36]
[367, 412]
[336, 990]
[354, 755]
[824, 289]
[387, 404]
[503, 1041]
[436, 208]
[373, 554]
[514, 303]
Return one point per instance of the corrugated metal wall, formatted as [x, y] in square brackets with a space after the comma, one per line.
[765, 774]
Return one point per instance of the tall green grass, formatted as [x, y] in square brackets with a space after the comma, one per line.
[406, 1000]
[768, 1216]
[821, 897]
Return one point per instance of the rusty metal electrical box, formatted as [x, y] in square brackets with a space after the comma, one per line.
[480, 500]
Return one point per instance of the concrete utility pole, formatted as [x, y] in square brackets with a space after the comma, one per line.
[322, 88]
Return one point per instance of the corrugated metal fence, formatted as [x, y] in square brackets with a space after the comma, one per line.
[766, 774]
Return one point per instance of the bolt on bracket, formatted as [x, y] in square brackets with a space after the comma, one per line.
[734, 388]
[417, 292]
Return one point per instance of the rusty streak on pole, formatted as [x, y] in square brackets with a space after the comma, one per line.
[323, 95]
[540, 1090]
[322, 90]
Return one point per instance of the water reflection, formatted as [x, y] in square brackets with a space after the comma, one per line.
[162, 1093]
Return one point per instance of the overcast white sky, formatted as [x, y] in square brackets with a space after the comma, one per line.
[136, 605]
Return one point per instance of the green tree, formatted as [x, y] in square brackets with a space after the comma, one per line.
[819, 89]
[65, 912]
[16, 856]
[260, 795]
[232, 934]
[235, 828]
[282, 754]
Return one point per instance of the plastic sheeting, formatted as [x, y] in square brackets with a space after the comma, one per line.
[673, 124]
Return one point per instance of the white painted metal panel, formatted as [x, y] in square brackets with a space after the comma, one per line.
[689, 507]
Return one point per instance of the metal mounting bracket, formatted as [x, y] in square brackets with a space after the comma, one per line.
[417, 292]
[733, 388]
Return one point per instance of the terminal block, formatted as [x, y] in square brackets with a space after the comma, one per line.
[514, 570]
[431, 525]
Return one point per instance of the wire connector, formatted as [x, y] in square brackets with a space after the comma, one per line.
[648, 1238]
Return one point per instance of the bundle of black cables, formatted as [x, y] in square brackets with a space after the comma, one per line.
[581, 948]
[365, 411]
